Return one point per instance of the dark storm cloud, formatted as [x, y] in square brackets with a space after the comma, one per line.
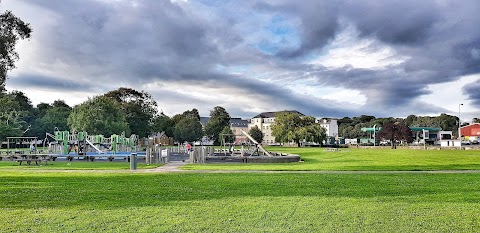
[48, 82]
[154, 38]
[438, 38]
[138, 42]
[472, 90]
[319, 24]
[397, 22]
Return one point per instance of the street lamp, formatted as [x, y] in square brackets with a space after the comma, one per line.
[459, 125]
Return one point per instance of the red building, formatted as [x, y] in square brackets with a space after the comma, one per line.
[472, 130]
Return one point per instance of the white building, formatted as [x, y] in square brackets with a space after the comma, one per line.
[330, 125]
[265, 120]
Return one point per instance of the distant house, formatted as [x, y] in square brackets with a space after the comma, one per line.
[264, 122]
[236, 125]
[330, 125]
[161, 138]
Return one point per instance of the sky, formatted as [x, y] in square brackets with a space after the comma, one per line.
[328, 58]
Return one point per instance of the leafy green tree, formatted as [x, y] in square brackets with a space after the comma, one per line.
[55, 117]
[219, 119]
[256, 134]
[410, 120]
[291, 127]
[189, 113]
[476, 120]
[188, 129]
[311, 131]
[12, 29]
[396, 132]
[163, 123]
[228, 135]
[139, 108]
[12, 117]
[99, 115]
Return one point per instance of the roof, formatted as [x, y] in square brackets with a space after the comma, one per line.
[238, 122]
[325, 120]
[471, 125]
[272, 114]
[425, 128]
[414, 129]
[235, 122]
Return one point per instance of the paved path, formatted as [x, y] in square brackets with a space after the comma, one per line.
[172, 166]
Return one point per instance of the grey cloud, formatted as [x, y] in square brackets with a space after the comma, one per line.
[397, 22]
[472, 90]
[426, 32]
[114, 43]
[319, 24]
[49, 82]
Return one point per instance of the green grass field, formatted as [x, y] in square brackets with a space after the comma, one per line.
[242, 202]
[353, 159]
[32, 200]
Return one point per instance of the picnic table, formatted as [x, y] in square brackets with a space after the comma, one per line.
[37, 158]
[332, 149]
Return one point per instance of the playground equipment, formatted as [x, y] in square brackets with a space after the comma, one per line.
[24, 149]
[79, 144]
[252, 152]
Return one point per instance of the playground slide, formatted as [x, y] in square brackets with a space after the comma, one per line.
[94, 147]
[256, 143]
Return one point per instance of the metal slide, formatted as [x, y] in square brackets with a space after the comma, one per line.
[256, 143]
[94, 147]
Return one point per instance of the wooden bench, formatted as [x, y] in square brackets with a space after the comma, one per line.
[37, 161]
[332, 149]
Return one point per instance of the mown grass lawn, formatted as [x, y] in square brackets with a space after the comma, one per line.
[353, 159]
[32, 201]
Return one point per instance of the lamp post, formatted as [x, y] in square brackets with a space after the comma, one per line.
[459, 125]
[374, 131]
[424, 141]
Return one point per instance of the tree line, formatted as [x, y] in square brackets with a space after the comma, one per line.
[351, 127]
[135, 112]
[122, 110]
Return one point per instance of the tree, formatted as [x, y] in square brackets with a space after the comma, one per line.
[228, 135]
[219, 119]
[410, 120]
[99, 115]
[55, 117]
[291, 127]
[256, 134]
[476, 120]
[139, 108]
[189, 113]
[12, 117]
[188, 129]
[311, 131]
[12, 29]
[163, 123]
[395, 132]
